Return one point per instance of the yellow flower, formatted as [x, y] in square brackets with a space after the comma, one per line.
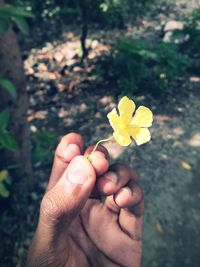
[125, 125]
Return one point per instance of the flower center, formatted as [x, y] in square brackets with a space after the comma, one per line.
[123, 126]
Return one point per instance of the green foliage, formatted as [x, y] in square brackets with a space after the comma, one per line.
[14, 14]
[4, 119]
[4, 182]
[193, 19]
[44, 143]
[8, 86]
[49, 11]
[4, 25]
[192, 31]
[189, 39]
[6, 140]
[9, 10]
[116, 12]
[21, 23]
[103, 12]
[137, 65]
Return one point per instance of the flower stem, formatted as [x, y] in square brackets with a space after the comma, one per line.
[95, 147]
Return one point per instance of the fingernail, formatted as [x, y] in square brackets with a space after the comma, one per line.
[76, 173]
[111, 176]
[127, 189]
[71, 151]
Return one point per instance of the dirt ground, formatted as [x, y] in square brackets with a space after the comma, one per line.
[62, 100]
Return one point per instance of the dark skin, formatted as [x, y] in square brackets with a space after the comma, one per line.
[91, 213]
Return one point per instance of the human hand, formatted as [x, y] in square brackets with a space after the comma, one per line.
[75, 230]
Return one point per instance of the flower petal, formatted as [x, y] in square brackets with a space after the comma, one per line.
[126, 108]
[122, 138]
[140, 135]
[143, 117]
[114, 119]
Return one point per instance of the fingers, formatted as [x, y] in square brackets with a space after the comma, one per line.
[125, 198]
[122, 190]
[72, 179]
[99, 159]
[117, 177]
[59, 206]
[68, 193]
[131, 224]
[71, 145]
[130, 197]
[131, 203]
[64, 201]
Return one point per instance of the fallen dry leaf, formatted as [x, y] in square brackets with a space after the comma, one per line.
[185, 165]
[195, 79]
[37, 115]
[159, 228]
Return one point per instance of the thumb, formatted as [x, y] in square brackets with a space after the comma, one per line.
[65, 200]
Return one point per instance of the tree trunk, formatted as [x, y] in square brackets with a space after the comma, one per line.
[11, 67]
[84, 6]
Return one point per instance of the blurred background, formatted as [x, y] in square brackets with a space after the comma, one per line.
[63, 66]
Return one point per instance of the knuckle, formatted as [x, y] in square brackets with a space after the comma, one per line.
[70, 138]
[64, 139]
[124, 169]
[58, 151]
[118, 168]
[62, 144]
[122, 173]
